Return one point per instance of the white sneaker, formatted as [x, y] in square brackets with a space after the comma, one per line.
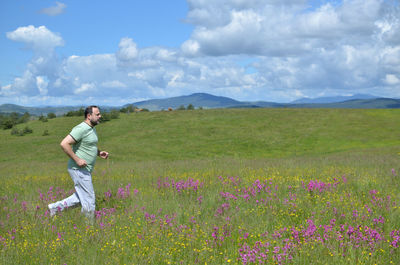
[52, 210]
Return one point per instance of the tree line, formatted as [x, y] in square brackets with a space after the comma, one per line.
[10, 120]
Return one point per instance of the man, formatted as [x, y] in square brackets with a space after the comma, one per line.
[81, 146]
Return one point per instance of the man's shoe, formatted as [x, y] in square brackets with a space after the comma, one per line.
[52, 210]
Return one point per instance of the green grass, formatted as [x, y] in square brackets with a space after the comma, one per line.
[244, 134]
[226, 150]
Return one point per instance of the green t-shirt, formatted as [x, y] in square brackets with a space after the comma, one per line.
[85, 146]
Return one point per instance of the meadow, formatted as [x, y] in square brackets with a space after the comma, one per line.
[220, 186]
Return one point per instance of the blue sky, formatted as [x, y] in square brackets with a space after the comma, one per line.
[116, 52]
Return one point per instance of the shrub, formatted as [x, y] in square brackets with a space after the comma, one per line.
[51, 115]
[27, 130]
[24, 118]
[22, 132]
[46, 133]
[15, 131]
[105, 117]
[128, 109]
[8, 123]
[43, 118]
[80, 112]
[114, 114]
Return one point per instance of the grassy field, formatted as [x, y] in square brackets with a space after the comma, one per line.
[224, 186]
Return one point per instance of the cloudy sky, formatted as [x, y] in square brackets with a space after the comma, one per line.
[71, 52]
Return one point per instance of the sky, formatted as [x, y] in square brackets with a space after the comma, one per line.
[72, 52]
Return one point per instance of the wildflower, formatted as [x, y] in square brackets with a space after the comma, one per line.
[200, 199]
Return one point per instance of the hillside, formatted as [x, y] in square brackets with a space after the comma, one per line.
[197, 99]
[322, 100]
[210, 134]
[376, 103]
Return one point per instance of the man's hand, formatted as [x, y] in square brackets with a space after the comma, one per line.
[103, 154]
[81, 162]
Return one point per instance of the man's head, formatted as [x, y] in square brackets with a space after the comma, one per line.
[92, 115]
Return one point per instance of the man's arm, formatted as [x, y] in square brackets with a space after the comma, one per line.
[102, 154]
[66, 146]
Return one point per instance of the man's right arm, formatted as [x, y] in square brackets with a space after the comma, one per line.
[66, 146]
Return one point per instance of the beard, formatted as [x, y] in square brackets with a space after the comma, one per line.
[94, 123]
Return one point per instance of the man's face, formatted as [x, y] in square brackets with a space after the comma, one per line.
[94, 118]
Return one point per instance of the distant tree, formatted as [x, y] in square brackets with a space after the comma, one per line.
[128, 109]
[114, 114]
[190, 107]
[24, 118]
[81, 112]
[27, 130]
[14, 116]
[72, 113]
[105, 116]
[108, 116]
[51, 115]
[181, 107]
[43, 118]
[15, 131]
[8, 123]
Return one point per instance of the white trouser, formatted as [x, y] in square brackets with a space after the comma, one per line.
[84, 193]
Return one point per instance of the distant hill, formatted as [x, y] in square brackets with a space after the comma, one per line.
[201, 100]
[198, 100]
[332, 99]
[37, 111]
[376, 103]
[209, 101]
[8, 108]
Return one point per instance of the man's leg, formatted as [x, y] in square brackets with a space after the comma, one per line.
[71, 201]
[84, 190]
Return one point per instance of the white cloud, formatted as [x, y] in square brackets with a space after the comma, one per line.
[391, 79]
[84, 88]
[40, 39]
[5, 91]
[54, 10]
[42, 83]
[113, 84]
[291, 50]
[190, 47]
[127, 50]
[92, 68]
[280, 29]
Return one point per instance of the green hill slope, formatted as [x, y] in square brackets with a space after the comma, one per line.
[209, 134]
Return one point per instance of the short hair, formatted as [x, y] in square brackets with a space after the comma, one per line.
[89, 110]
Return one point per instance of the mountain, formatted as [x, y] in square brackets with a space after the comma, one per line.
[210, 101]
[197, 100]
[332, 99]
[375, 103]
